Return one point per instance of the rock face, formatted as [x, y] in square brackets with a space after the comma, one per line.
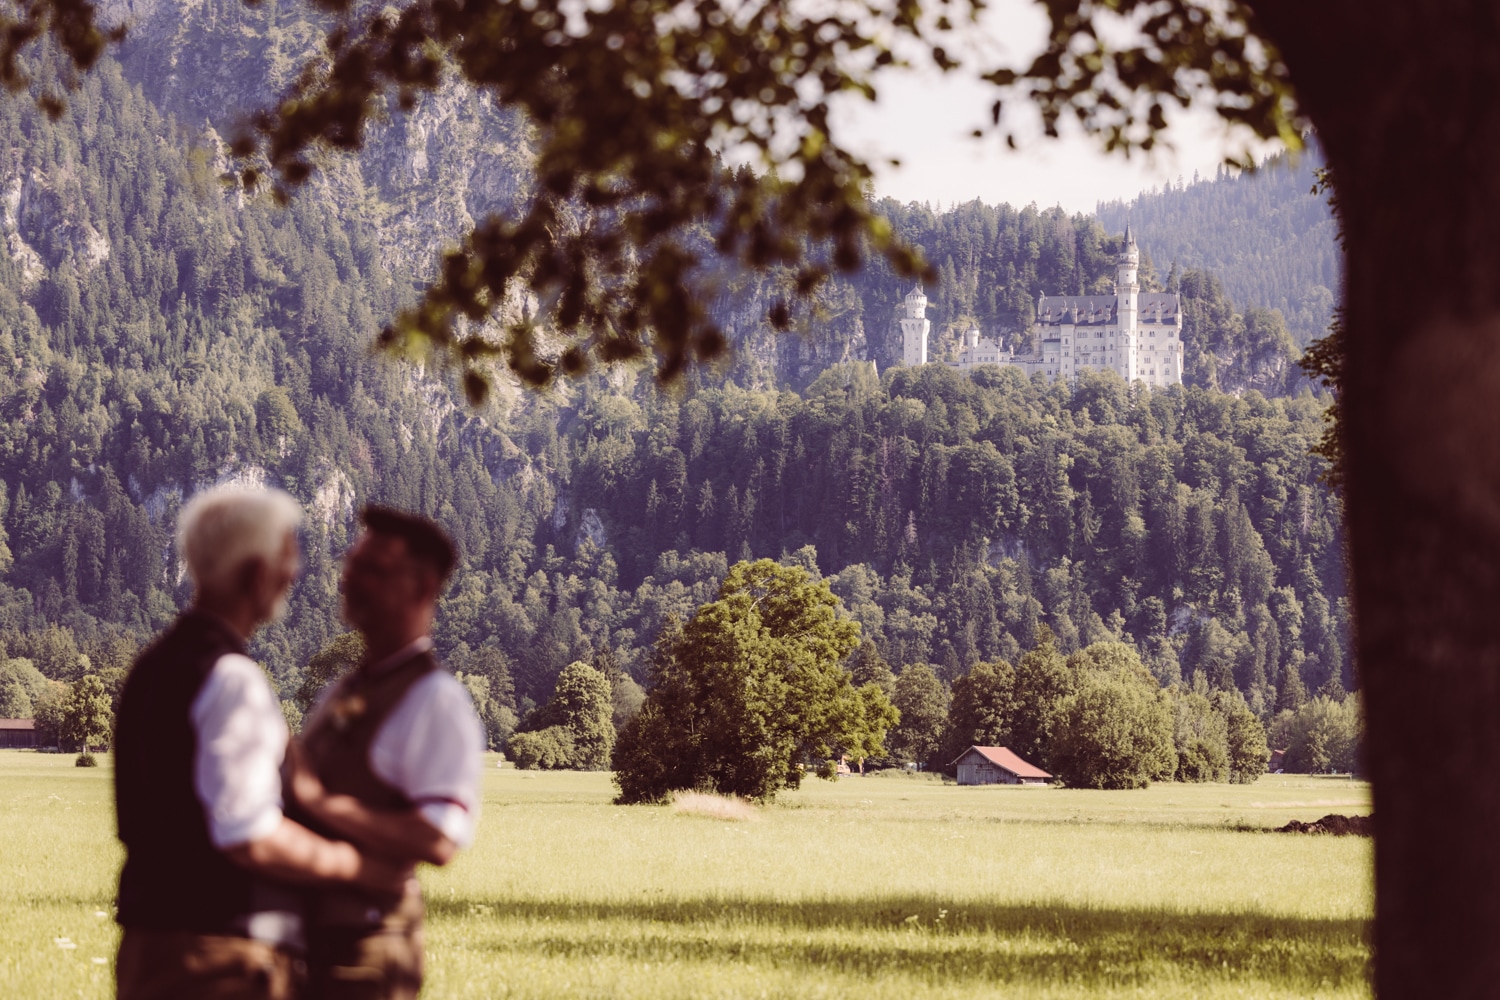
[40, 227]
[831, 332]
[591, 529]
[423, 178]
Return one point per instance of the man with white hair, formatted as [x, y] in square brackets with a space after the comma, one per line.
[205, 897]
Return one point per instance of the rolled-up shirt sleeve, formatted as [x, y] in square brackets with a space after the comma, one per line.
[431, 748]
[241, 743]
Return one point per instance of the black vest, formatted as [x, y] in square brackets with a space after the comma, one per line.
[174, 878]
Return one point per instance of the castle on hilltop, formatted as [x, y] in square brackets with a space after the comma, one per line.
[1136, 334]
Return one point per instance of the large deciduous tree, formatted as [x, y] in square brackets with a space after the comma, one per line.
[751, 687]
[87, 720]
[1115, 729]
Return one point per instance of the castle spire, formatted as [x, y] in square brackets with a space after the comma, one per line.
[1129, 236]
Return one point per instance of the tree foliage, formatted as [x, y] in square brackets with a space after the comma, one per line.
[751, 687]
[549, 749]
[22, 685]
[1244, 736]
[575, 728]
[1115, 730]
[1322, 735]
[87, 720]
[982, 711]
[326, 666]
[1202, 739]
[922, 700]
[1043, 680]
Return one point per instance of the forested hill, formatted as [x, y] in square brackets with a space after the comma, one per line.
[159, 333]
[1270, 240]
[426, 175]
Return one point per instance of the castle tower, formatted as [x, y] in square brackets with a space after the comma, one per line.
[1127, 309]
[915, 326]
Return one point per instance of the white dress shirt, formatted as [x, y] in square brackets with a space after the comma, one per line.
[241, 742]
[431, 747]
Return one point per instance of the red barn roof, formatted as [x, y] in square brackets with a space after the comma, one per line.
[1003, 757]
[17, 723]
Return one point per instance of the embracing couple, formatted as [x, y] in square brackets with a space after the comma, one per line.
[264, 869]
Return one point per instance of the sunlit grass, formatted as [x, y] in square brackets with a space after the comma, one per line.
[871, 887]
[711, 806]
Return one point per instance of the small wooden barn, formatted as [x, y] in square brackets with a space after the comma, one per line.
[997, 766]
[17, 732]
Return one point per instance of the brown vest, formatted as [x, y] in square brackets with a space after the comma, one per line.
[336, 743]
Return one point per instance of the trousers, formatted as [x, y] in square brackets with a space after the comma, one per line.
[356, 964]
[179, 965]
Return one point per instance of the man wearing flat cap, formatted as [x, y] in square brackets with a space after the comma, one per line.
[390, 759]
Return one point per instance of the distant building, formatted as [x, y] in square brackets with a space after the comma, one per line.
[997, 766]
[1277, 761]
[17, 733]
[915, 328]
[1136, 334]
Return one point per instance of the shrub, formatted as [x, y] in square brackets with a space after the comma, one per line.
[85, 759]
[545, 749]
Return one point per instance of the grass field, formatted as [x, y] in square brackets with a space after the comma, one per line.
[870, 887]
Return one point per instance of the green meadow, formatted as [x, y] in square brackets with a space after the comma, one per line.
[870, 887]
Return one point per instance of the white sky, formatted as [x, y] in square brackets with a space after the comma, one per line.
[924, 118]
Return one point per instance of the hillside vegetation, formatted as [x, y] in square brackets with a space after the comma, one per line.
[159, 333]
[1270, 240]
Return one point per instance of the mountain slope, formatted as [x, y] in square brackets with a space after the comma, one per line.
[1264, 234]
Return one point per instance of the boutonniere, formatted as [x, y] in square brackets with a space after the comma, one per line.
[347, 710]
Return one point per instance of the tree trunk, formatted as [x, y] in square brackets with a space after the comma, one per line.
[1404, 97]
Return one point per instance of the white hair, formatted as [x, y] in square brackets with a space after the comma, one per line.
[221, 529]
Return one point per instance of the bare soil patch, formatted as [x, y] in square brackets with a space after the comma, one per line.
[1335, 824]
